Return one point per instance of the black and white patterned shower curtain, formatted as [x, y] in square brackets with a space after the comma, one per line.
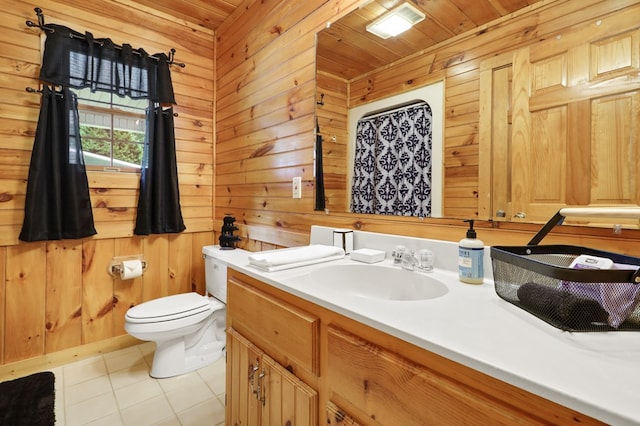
[392, 170]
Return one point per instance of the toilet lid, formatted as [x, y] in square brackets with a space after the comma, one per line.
[169, 308]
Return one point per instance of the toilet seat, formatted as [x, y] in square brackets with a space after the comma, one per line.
[171, 308]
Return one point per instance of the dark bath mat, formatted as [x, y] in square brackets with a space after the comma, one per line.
[28, 400]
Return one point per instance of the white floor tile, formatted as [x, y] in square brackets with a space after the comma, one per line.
[83, 370]
[91, 409]
[151, 411]
[87, 390]
[138, 392]
[136, 373]
[179, 382]
[110, 420]
[214, 376]
[170, 421]
[209, 412]
[189, 395]
[116, 389]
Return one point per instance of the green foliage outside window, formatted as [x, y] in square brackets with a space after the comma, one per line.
[127, 145]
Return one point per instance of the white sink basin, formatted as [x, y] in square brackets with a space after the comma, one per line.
[377, 282]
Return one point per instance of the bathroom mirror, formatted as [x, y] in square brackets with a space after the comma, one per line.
[347, 55]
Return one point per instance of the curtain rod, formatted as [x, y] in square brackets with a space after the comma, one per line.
[40, 91]
[394, 108]
[45, 28]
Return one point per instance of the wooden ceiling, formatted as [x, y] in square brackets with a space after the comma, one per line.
[205, 13]
[346, 49]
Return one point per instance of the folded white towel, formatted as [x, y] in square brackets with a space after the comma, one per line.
[275, 260]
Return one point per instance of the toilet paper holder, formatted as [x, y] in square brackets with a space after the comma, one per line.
[115, 267]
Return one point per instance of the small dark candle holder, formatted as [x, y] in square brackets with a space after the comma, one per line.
[227, 239]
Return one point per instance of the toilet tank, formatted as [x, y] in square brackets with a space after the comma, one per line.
[215, 272]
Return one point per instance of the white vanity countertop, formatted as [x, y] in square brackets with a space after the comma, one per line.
[594, 373]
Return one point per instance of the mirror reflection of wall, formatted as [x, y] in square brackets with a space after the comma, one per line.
[433, 95]
[533, 124]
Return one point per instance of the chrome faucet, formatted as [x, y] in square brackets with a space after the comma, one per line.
[397, 254]
[409, 260]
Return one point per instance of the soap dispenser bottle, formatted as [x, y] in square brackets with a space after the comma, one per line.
[471, 257]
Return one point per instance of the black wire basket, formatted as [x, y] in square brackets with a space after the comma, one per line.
[539, 279]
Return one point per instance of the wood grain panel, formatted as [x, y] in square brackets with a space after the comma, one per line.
[617, 54]
[289, 401]
[126, 293]
[63, 318]
[179, 265]
[273, 325]
[579, 174]
[615, 128]
[97, 291]
[25, 298]
[243, 406]
[393, 389]
[199, 240]
[549, 73]
[548, 155]
[338, 417]
[3, 301]
[156, 278]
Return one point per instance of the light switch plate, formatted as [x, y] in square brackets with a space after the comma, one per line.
[296, 187]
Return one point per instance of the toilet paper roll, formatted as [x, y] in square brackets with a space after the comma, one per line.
[131, 269]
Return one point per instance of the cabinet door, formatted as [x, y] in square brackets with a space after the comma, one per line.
[262, 392]
[243, 369]
[288, 400]
[560, 125]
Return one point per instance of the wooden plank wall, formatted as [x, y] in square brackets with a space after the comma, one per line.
[263, 139]
[57, 296]
[265, 116]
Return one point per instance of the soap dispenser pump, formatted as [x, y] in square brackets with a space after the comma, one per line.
[471, 257]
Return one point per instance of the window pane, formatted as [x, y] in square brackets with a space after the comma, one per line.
[127, 148]
[112, 129]
[97, 152]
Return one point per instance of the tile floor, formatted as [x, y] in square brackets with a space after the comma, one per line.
[115, 389]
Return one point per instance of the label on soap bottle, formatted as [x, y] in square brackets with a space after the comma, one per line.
[471, 263]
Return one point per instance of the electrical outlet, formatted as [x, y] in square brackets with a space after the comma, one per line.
[296, 187]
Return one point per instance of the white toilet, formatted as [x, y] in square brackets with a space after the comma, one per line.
[188, 328]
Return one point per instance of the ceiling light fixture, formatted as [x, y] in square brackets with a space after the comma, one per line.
[396, 21]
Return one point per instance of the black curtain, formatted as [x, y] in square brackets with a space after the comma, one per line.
[76, 60]
[159, 202]
[57, 204]
[79, 60]
[319, 172]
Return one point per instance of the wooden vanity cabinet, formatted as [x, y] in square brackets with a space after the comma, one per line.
[351, 374]
[268, 341]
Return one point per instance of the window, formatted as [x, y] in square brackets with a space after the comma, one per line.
[112, 130]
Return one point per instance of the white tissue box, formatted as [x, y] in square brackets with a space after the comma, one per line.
[368, 255]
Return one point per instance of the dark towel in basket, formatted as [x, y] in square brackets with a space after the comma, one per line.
[560, 306]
